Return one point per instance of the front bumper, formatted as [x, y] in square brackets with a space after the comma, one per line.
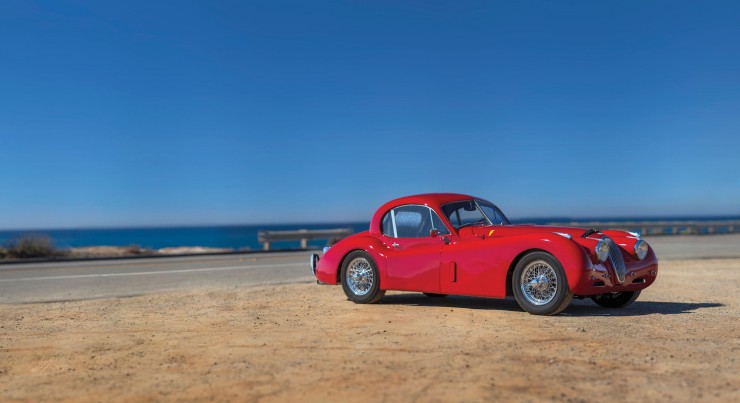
[314, 262]
[601, 278]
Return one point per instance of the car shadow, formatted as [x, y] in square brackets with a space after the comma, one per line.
[577, 308]
[639, 308]
[451, 301]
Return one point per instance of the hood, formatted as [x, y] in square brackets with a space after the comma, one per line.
[513, 230]
[576, 233]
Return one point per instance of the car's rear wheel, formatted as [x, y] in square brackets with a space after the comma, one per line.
[539, 284]
[616, 299]
[433, 295]
[360, 278]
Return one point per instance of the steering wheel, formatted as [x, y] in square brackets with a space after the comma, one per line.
[482, 221]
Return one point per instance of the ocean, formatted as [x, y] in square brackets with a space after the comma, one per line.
[238, 236]
[235, 237]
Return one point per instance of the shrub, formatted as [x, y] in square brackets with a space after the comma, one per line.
[30, 246]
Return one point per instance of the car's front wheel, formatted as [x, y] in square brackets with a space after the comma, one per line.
[616, 299]
[360, 278]
[539, 284]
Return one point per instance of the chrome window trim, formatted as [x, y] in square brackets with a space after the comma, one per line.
[393, 222]
[481, 211]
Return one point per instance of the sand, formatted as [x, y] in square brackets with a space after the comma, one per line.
[679, 342]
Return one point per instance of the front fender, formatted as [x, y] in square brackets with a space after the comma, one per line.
[570, 254]
[482, 266]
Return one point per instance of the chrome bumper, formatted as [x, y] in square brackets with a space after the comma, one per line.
[314, 262]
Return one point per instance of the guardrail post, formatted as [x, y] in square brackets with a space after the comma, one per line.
[301, 235]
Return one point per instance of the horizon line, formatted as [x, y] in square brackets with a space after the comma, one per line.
[350, 222]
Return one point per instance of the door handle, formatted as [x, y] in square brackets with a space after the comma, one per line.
[395, 245]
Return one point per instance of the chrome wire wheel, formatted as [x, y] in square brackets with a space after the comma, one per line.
[360, 277]
[539, 282]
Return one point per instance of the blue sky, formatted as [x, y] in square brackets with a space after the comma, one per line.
[174, 113]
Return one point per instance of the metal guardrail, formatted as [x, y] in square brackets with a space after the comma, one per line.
[662, 227]
[641, 227]
[303, 235]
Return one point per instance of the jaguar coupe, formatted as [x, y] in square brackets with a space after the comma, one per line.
[444, 243]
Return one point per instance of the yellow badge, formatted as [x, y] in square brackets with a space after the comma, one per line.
[491, 233]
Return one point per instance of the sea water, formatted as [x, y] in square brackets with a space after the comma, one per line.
[235, 236]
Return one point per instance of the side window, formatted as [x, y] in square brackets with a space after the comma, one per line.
[412, 222]
[409, 221]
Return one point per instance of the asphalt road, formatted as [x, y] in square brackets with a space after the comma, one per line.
[46, 282]
[696, 246]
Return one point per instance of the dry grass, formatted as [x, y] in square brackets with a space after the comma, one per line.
[30, 246]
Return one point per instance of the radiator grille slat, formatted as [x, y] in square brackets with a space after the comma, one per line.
[616, 259]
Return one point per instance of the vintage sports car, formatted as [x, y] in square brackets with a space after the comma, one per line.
[445, 243]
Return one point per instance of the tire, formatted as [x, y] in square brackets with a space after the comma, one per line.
[539, 284]
[360, 278]
[616, 299]
[433, 295]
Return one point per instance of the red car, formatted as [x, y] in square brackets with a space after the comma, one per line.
[444, 243]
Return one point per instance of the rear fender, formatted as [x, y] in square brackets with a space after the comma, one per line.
[330, 264]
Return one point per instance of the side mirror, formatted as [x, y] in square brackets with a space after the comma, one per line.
[433, 233]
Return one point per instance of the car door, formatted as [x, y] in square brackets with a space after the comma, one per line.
[470, 265]
[467, 267]
[413, 253]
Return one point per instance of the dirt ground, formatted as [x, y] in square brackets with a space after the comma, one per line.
[679, 342]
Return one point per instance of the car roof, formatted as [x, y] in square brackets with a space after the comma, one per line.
[433, 200]
[430, 198]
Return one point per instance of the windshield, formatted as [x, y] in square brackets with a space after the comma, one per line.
[493, 213]
[473, 212]
[464, 213]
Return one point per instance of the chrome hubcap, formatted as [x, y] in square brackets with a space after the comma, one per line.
[539, 282]
[360, 276]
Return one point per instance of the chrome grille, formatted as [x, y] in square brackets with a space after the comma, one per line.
[615, 257]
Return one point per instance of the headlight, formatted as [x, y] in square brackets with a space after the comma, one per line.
[641, 249]
[602, 250]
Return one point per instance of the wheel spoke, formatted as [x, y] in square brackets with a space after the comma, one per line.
[360, 276]
[539, 282]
